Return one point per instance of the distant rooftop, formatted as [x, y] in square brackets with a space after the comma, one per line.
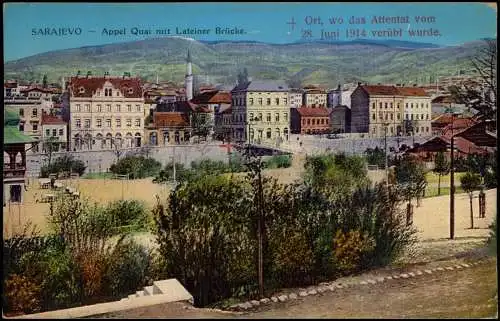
[262, 85]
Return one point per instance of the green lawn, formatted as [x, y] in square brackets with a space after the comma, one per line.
[433, 177]
[432, 191]
[99, 176]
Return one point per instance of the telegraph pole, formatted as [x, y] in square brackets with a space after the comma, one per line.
[452, 184]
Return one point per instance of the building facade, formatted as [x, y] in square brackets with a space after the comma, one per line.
[295, 98]
[310, 121]
[417, 111]
[106, 112]
[260, 112]
[340, 119]
[315, 98]
[54, 132]
[377, 110]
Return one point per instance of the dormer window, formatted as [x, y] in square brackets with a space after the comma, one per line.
[130, 91]
[81, 90]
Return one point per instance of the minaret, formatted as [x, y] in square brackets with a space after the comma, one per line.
[189, 78]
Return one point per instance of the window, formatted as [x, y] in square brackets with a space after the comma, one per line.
[268, 101]
[260, 117]
[277, 117]
[411, 105]
[411, 116]
[422, 105]
[422, 117]
[268, 133]
[285, 101]
[54, 132]
[285, 116]
[277, 101]
[82, 90]
[118, 108]
[108, 108]
[87, 108]
[314, 121]
[137, 122]
[61, 132]
[251, 101]
[391, 105]
[21, 127]
[78, 108]
[118, 122]
[386, 116]
[374, 117]
[138, 107]
[35, 127]
[108, 122]
[78, 123]
[250, 116]
[398, 116]
[427, 129]
[268, 117]
[416, 129]
[398, 105]
[381, 115]
[47, 132]
[373, 105]
[260, 101]
[99, 108]
[21, 112]
[87, 123]
[407, 117]
[427, 116]
[35, 112]
[380, 105]
[392, 117]
[406, 105]
[129, 122]
[99, 123]
[129, 108]
[309, 121]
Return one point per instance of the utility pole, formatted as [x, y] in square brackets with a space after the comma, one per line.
[452, 184]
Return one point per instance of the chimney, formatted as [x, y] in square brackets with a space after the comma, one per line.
[78, 73]
[106, 74]
[89, 74]
[359, 83]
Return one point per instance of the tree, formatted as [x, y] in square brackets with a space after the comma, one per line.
[200, 123]
[375, 156]
[410, 176]
[51, 145]
[44, 81]
[481, 96]
[441, 167]
[470, 182]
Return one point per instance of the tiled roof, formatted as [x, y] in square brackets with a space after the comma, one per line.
[443, 99]
[313, 112]
[381, 90]
[464, 146]
[91, 84]
[262, 85]
[170, 119]
[221, 98]
[204, 97]
[10, 85]
[315, 91]
[458, 125]
[37, 88]
[412, 91]
[52, 120]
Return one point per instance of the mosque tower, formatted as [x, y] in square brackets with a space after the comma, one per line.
[188, 81]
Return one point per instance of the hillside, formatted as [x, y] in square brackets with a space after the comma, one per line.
[218, 62]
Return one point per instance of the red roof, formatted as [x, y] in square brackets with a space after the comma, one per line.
[313, 112]
[445, 99]
[170, 119]
[458, 125]
[221, 98]
[464, 146]
[10, 85]
[129, 87]
[52, 120]
[412, 91]
[37, 88]
[381, 90]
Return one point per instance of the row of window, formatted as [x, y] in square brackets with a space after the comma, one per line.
[54, 132]
[241, 117]
[241, 101]
[386, 105]
[415, 116]
[34, 112]
[118, 122]
[314, 121]
[108, 108]
[387, 116]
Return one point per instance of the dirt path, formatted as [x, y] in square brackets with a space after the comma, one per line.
[455, 294]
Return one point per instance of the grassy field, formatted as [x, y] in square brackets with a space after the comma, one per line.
[98, 176]
[445, 179]
[432, 191]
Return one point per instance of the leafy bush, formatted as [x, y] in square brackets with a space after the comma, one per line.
[492, 240]
[375, 156]
[136, 167]
[65, 163]
[349, 248]
[21, 295]
[279, 161]
[127, 269]
[128, 212]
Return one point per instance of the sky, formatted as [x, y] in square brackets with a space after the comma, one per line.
[456, 23]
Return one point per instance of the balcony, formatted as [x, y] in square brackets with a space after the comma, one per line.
[18, 171]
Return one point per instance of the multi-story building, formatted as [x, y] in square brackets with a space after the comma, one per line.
[339, 96]
[310, 121]
[295, 97]
[260, 112]
[212, 101]
[314, 98]
[340, 119]
[54, 132]
[377, 110]
[106, 112]
[223, 123]
[417, 111]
